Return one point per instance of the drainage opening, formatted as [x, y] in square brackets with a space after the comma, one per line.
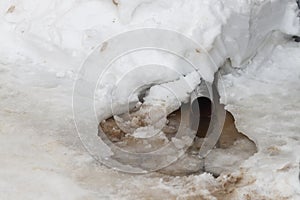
[232, 149]
[202, 106]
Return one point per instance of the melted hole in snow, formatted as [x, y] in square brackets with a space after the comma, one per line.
[232, 150]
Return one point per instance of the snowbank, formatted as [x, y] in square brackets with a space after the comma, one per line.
[65, 33]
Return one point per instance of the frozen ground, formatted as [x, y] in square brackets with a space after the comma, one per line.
[41, 155]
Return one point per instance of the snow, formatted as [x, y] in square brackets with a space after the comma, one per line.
[269, 117]
[44, 44]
